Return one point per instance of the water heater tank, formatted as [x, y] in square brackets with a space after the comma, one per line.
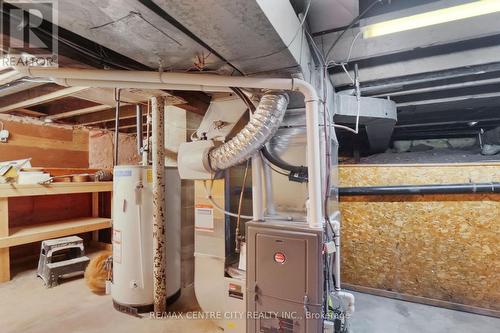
[132, 288]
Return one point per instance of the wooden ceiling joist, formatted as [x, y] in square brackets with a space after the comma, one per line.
[127, 111]
[9, 76]
[38, 95]
[28, 112]
[124, 123]
[78, 112]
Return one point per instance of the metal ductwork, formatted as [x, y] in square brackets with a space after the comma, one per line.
[262, 126]
[200, 159]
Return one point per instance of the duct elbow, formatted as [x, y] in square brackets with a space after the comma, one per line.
[262, 126]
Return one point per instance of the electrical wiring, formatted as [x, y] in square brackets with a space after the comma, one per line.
[345, 62]
[353, 22]
[272, 168]
[240, 203]
[299, 28]
[208, 193]
[352, 46]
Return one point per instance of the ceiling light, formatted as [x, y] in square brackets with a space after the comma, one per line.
[468, 10]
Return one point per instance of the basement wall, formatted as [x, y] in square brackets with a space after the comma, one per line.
[440, 247]
[101, 149]
[48, 145]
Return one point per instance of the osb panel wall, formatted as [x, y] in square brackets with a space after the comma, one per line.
[48, 145]
[442, 247]
[415, 174]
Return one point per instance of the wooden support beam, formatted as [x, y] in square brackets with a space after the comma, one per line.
[78, 112]
[124, 123]
[197, 102]
[9, 76]
[126, 111]
[4, 232]
[39, 95]
[28, 112]
[66, 104]
[95, 213]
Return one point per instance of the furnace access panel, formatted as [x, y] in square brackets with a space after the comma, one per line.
[284, 277]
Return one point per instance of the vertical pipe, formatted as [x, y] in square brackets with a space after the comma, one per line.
[315, 203]
[138, 123]
[314, 209]
[146, 148]
[159, 238]
[117, 123]
[270, 208]
[257, 207]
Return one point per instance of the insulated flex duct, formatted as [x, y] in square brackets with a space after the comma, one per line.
[262, 126]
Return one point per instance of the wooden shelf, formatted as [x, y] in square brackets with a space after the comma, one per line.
[23, 190]
[34, 233]
[17, 235]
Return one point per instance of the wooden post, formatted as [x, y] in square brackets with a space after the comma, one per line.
[4, 231]
[95, 213]
[159, 237]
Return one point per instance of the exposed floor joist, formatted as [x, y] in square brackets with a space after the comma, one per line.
[35, 96]
[78, 112]
[127, 111]
[9, 76]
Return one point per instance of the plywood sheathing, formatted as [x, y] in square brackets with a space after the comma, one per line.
[443, 247]
[418, 174]
[48, 145]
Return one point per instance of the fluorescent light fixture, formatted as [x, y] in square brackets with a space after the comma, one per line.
[468, 10]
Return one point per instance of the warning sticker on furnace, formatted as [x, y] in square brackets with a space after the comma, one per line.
[204, 218]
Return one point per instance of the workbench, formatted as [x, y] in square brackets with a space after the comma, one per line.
[18, 235]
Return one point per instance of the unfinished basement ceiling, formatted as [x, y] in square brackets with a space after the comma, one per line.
[446, 75]
[328, 15]
[226, 36]
[131, 29]
[444, 78]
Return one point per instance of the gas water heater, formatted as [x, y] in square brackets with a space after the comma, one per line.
[132, 287]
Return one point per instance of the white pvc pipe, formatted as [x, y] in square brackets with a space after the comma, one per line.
[257, 190]
[178, 81]
[137, 85]
[270, 208]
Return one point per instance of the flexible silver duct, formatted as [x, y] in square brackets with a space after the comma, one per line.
[262, 126]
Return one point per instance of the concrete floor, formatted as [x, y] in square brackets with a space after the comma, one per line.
[26, 306]
[383, 315]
